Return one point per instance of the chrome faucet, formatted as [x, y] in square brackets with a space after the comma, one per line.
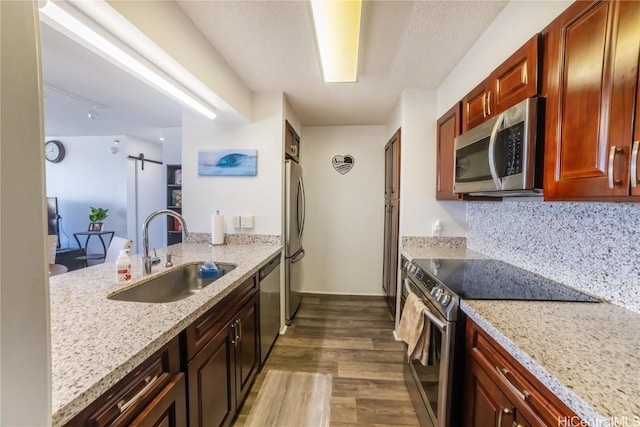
[147, 260]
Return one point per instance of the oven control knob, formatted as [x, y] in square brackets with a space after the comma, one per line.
[436, 292]
[444, 300]
[412, 268]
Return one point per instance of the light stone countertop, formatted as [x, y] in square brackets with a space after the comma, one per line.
[95, 341]
[411, 252]
[588, 354]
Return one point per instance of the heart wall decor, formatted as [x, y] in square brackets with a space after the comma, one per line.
[343, 164]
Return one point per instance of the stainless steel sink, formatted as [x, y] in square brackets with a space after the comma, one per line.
[173, 286]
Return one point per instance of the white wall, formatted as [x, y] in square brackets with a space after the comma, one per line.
[261, 195]
[25, 386]
[343, 236]
[418, 205]
[89, 175]
[516, 24]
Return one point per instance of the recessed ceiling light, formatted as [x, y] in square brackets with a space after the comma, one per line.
[337, 29]
[161, 138]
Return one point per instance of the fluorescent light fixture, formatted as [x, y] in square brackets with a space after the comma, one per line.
[128, 62]
[337, 25]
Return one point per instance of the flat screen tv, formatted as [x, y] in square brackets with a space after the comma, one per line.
[53, 217]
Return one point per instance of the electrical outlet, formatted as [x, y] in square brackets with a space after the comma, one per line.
[246, 221]
[236, 221]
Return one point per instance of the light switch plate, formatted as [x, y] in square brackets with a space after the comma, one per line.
[236, 222]
[246, 221]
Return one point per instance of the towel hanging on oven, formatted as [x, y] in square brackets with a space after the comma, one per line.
[412, 330]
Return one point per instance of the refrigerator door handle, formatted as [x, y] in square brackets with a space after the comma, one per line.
[301, 213]
[298, 256]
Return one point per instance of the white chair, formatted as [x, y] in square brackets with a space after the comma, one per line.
[116, 245]
[53, 244]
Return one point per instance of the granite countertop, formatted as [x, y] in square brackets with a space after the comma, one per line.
[95, 341]
[588, 354]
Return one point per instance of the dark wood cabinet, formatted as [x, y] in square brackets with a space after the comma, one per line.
[225, 343]
[291, 142]
[448, 129]
[590, 80]
[174, 203]
[513, 81]
[153, 391]
[391, 221]
[498, 391]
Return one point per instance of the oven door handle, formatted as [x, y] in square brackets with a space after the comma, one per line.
[440, 324]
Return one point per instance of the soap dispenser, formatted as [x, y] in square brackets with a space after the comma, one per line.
[123, 267]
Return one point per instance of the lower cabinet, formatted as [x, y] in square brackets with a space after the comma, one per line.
[199, 378]
[498, 391]
[152, 395]
[221, 373]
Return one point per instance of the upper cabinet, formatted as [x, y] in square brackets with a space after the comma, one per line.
[291, 143]
[513, 81]
[448, 129]
[591, 84]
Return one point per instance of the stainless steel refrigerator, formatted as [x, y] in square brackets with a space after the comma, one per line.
[294, 226]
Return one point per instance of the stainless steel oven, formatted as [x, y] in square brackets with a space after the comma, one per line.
[431, 386]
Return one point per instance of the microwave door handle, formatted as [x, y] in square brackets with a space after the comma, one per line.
[492, 153]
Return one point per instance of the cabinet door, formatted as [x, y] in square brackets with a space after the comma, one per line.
[247, 346]
[485, 404]
[168, 408]
[448, 130]
[394, 212]
[516, 79]
[387, 250]
[635, 165]
[211, 379]
[474, 107]
[590, 79]
[291, 142]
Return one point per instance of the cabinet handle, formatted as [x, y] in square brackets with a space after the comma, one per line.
[489, 103]
[612, 157]
[234, 341]
[484, 105]
[515, 424]
[634, 164]
[503, 411]
[502, 373]
[123, 405]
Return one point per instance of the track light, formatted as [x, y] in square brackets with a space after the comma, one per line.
[93, 113]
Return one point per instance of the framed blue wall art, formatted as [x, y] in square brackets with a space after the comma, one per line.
[228, 162]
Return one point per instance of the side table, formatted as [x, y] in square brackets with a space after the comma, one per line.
[93, 256]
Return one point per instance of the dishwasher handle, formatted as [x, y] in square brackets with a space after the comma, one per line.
[271, 265]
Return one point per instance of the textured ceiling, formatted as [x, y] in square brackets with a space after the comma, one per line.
[405, 44]
[270, 45]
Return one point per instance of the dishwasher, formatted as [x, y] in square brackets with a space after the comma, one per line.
[269, 306]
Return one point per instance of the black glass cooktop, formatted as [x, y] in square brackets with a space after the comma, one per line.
[497, 280]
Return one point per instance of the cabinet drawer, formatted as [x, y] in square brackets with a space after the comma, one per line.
[200, 332]
[168, 408]
[528, 395]
[127, 399]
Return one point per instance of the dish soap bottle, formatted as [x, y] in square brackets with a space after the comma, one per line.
[123, 267]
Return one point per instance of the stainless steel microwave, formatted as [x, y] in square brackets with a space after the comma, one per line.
[502, 156]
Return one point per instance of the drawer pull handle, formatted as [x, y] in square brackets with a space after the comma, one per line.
[123, 405]
[503, 411]
[488, 103]
[634, 164]
[612, 157]
[502, 373]
[484, 105]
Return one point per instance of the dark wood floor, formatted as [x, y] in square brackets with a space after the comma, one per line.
[352, 339]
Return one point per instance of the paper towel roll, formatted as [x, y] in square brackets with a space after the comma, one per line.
[217, 229]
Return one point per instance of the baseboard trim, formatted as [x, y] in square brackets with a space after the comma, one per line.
[340, 293]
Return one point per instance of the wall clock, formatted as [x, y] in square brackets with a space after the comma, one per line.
[54, 151]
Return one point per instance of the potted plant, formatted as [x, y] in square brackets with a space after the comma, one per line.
[96, 217]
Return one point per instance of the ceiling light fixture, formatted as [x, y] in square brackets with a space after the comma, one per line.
[59, 16]
[337, 29]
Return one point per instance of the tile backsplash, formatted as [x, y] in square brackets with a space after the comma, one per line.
[593, 247]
